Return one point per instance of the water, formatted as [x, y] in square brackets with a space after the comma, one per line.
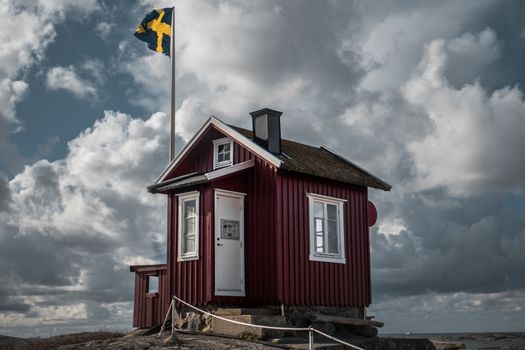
[474, 341]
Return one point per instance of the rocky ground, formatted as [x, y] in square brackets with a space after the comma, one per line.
[184, 341]
[140, 339]
[132, 341]
[13, 343]
[459, 341]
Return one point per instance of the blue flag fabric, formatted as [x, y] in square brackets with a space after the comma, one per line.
[155, 30]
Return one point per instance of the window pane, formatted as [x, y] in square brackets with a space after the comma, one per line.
[220, 157]
[220, 148]
[332, 228]
[319, 248]
[227, 147]
[319, 227]
[318, 210]
[333, 237]
[188, 245]
[227, 156]
[189, 208]
[331, 211]
[333, 246]
[153, 284]
[190, 227]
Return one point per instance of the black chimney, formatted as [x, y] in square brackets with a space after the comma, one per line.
[267, 129]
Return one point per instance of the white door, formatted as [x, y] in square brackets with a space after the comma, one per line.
[229, 243]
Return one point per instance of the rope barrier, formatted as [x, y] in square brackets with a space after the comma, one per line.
[310, 330]
[337, 340]
[239, 322]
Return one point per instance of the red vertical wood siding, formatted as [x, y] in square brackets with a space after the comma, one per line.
[277, 265]
[200, 157]
[194, 281]
[304, 282]
[150, 308]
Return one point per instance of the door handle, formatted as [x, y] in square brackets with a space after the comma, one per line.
[220, 244]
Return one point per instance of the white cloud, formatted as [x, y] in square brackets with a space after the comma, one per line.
[56, 9]
[103, 29]
[95, 69]
[391, 41]
[469, 54]
[66, 78]
[84, 218]
[22, 45]
[10, 93]
[84, 80]
[151, 75]
[28, 29]
[472, 147]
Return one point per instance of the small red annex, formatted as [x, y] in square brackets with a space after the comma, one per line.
[255, 220]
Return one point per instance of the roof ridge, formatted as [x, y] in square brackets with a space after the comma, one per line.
[282, 139]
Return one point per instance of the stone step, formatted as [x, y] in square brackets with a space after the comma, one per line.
[246, 311]
[228, 328]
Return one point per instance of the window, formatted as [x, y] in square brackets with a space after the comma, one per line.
[188, 230]
[222, 153]
[326, 228]
[153, 284]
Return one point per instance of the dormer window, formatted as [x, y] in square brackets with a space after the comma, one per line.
[222, 153]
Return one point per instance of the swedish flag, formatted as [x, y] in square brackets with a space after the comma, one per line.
[155, 29]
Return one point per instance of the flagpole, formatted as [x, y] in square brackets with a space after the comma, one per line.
[172, 56]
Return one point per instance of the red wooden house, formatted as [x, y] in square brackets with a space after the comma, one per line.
[256, 220]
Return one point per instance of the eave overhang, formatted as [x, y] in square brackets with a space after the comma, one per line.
[193, 179]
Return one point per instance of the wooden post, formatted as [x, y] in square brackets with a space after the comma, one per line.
[166, 319]
[174, 316]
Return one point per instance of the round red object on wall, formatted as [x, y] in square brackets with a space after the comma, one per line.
[372, 214]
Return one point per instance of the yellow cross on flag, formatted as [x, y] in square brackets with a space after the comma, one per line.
[155, 30]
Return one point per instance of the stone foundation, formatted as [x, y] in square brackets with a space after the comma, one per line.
[300, 316]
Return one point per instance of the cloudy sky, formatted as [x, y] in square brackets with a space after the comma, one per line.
[427, 95]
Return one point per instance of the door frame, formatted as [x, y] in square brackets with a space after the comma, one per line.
[216, 224]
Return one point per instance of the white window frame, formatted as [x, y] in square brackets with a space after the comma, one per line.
[182, 198]
[339, 258]
[216, 144]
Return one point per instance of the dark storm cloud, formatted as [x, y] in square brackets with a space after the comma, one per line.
[339, 71]
[9, 302]
[10, 159]
[76, 224]
[5, 193]
[470, 245]
[55, 265]
[508, 22]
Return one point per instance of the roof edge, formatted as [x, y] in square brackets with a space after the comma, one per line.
[229, 131]
[386, 185]
[155, 186]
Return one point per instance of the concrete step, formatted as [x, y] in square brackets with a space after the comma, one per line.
[228, 328]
